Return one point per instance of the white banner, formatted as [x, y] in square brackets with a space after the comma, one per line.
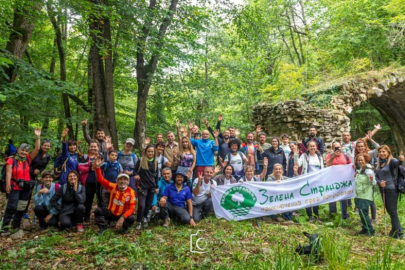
[257, 199]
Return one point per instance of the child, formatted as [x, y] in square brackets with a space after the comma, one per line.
[110, 169]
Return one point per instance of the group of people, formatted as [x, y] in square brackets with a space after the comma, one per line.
[161, 181]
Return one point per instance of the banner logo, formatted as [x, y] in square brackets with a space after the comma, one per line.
[238, 201]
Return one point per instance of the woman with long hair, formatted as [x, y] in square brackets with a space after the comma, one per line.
[311, 161]
[186, 154]
[88, 178]
[386, 175]
[146, 172]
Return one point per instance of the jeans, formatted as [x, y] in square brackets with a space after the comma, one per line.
[314, 210]
[91, 190]
[68, 221]
[17, 202]
[201, 211]
[174, 212]
[333, 209]
[391, 205]
[145, 199]
[41, 213]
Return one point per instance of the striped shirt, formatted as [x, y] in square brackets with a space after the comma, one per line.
[121, 202]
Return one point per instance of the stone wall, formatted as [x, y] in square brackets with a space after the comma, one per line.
[386, 94]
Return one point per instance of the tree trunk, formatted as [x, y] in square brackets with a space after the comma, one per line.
[109, 88]
[62, 64]
[25, 15]
[144, 73]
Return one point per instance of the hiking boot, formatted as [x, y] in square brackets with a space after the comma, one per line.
[145, 225]
[318, 221]
[167, 222]
[361, 232]
[356, 211]
[79, 228]
[138, 226]
[125, 230]
[373, 221]
[295, 214]
[311, 219]
[101, 230]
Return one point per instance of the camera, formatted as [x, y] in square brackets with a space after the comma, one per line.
[21, 183]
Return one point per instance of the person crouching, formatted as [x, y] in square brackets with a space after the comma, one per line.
[69, 202]
[121, 206]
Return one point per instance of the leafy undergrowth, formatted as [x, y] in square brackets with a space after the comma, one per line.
[238, 245]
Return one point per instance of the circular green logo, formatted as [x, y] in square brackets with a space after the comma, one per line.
[238, 200]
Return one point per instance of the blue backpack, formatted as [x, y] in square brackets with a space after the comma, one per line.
[59, 165]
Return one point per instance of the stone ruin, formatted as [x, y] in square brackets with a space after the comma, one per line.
[294, 117]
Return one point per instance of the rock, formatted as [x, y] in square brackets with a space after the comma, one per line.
[26, 224]
[9, 240]
[18, 235]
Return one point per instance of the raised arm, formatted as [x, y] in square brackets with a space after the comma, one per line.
[85, 133]
[264, 172]
[34, 152]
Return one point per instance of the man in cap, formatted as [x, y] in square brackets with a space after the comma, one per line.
[121, 206]
[172, 204]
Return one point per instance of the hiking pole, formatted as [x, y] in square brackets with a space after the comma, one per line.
[385, 216]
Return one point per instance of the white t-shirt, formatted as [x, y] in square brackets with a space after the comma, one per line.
[204, 190]
[227, 182]
[236, 161]
[160, 165]
[313, 163]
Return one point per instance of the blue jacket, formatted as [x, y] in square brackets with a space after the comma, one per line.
[71, 164]
[44, 199]
[205, 152]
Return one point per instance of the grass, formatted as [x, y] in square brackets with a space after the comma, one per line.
[238, 245]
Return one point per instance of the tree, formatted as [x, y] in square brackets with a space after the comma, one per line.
[145, 70]
[238, 198]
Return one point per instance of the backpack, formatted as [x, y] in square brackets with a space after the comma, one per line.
[12, 150]
[400, 179]
[241, 157]
[132, 155]
[116, 164]
[58, 166]
[56, 187]
[4, 172]
[313, 247]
